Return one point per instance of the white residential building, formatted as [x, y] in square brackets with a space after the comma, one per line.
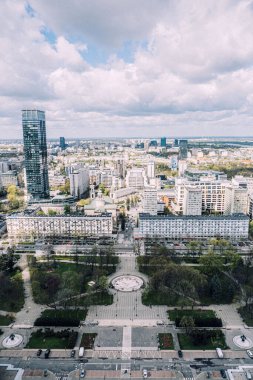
[79, 182]
[213, 194]
[122, 194]
[136, 178]
[149, 201]
[192, 204]
[8, 178]
[236, 200]
[232, 227]
[4, 166]
[151, 170]
[24, 226]
[182, 167]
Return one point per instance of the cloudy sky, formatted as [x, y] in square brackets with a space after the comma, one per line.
[128, 67]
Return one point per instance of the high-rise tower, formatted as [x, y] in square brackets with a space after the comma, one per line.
[35, 153]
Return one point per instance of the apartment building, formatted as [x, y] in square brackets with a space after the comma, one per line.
[149, 201]
[232, 227]
[136, 178]
[213, 194]
[22, 226]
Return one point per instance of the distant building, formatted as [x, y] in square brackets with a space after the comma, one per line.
[163, 142]
[236, 200]
[174, 163]
[182, 167]
[136, 178]
[192, 201]
[176, 142]
[183, 149]
[151, 169]
[79, 182]
[120, 168]
[62, 143]
[153, 143]
[4, 166]
[35, 153]
[149, 202]
[8, 178]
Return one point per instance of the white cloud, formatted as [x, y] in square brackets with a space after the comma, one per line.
[194, 74]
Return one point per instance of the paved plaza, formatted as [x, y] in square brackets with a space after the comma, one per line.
[127, 306]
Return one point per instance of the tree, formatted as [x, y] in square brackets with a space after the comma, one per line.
[103, 283]
[67, 209]
[216, 288]
[83, 202]
[187, 322]
[52, 212]
[211, 263]
[192, 246]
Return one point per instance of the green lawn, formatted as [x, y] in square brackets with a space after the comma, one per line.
[168, 299]
[98, 298]
[186, 342]
[39, 339]
[6, 320]
[165, 341]
[173, 314]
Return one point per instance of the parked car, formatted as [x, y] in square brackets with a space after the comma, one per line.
[180, 354]
[47, 353]
[145, 373]
[39, 352]
[73, 353]
[223, 373]
[82, 373]
[250, 354]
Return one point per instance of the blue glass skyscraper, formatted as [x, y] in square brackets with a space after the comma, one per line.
[35, 153]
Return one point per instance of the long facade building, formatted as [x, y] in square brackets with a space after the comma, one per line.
[232, 227]
[22, 226]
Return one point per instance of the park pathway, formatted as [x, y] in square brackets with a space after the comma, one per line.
[30, 311]
[127, 308]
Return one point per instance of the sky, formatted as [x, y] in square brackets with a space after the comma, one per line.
[124, 68]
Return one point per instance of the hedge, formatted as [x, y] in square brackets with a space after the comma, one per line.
[57, 321]
[203, 322]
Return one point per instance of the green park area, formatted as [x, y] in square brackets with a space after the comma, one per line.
[202, 340]
[48, 338]
[78, 283]
[217, 278]
[200, 318]
[6, 320]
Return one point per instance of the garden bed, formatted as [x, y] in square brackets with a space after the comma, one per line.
[165, 341]
[88, 340]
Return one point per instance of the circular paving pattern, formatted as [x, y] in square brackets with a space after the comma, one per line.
[242, 341]
[12, 340]
[127, 283]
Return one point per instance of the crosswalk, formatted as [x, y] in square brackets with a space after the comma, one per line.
[61, 376]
